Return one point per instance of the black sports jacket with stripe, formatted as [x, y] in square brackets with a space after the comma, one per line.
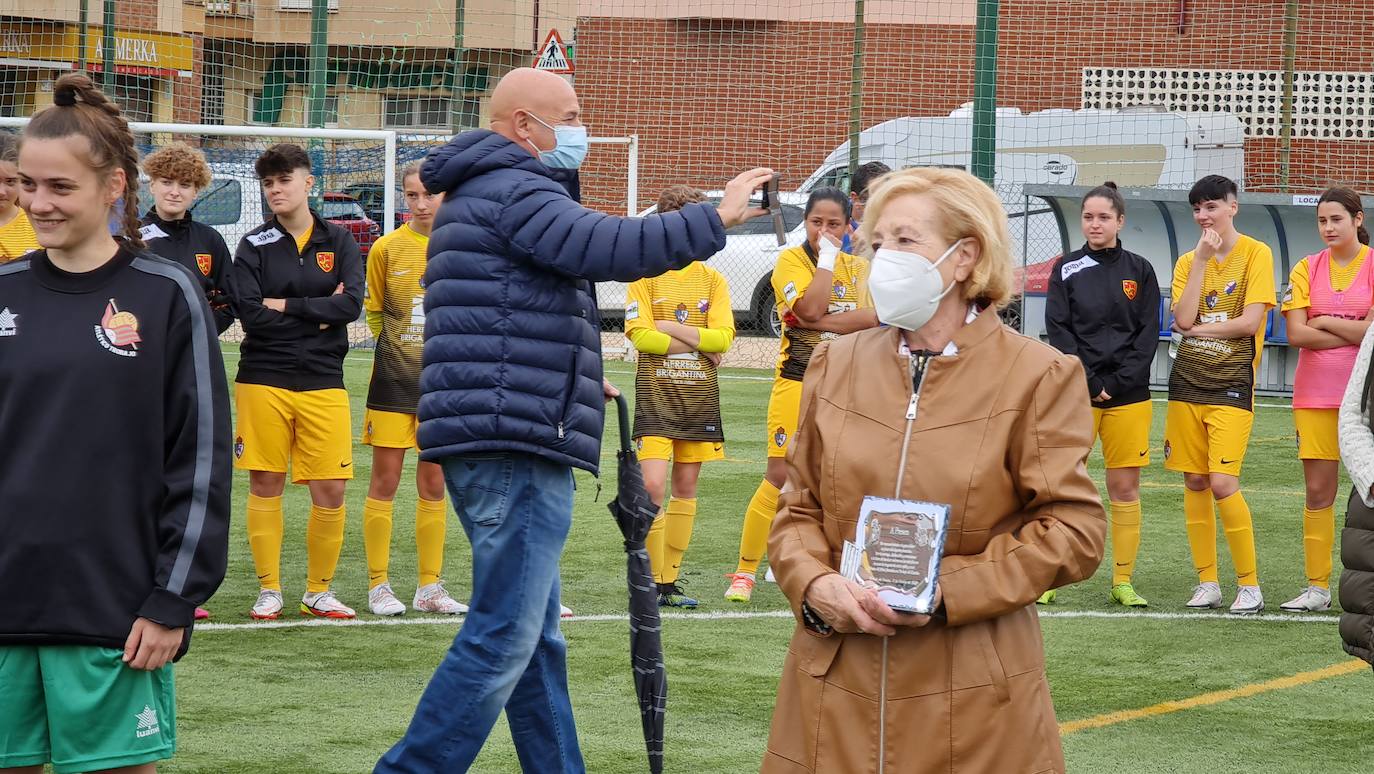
[114, 419]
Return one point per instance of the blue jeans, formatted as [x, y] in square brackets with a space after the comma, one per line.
[516, 510]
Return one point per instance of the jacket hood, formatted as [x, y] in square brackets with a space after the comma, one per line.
[473, 154]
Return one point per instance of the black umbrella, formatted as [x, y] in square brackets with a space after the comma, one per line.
[635, 513]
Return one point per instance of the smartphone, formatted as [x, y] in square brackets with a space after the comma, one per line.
[768, 200]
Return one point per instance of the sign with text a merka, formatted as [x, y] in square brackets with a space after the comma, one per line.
[898, 545]
[553, 55]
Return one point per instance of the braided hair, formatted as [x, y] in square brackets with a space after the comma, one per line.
[79, 109]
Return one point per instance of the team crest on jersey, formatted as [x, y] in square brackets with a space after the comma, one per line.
[204, 262]
[1212, 299]
[780, 436]
[1168, 449]
[703, 306]
[1230, 287]
[681, 313]
[118, 330]
[840, 289]
[325, 261]
[1130, 288]
[238, 448]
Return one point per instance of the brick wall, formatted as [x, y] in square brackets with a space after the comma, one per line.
[186, 91]
[709, 98]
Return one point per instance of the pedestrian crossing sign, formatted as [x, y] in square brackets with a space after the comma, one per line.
[553, 55]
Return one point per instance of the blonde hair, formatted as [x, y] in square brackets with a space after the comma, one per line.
[968, 209]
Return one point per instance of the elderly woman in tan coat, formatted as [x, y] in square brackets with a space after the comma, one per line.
[944, 405]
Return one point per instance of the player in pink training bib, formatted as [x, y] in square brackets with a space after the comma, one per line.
[1327, 307]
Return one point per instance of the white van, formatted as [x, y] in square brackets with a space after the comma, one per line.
[1143, 147]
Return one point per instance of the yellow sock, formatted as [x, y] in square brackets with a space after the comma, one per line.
[1240, 537]
[678, 533]
[1200, 519]
[758, 519]
[377, 539]
[264, 539]
[1125, 540]
[431, 520]
[323, 539]
[1318, 539]
[654, 543]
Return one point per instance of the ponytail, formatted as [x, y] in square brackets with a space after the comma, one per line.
[80, 109]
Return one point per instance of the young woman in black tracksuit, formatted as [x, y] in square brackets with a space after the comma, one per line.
[177, 174]
[1103, 306]
[116, 513]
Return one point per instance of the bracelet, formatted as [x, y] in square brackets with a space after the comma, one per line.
[813, 621]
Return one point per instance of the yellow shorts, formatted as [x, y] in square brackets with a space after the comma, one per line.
[1206, 439]
[1318, 438]
[307, 430]
[1125, 434]
[784, 406]
[656, 447]
[390, 429]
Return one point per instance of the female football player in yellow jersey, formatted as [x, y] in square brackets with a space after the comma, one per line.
[394, 304]
[16, 233]
[820, 295]
[681, 323]
[1222, 291]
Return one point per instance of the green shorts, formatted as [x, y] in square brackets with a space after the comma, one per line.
[80, 708]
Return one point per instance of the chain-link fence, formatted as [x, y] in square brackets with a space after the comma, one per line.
[1022, 92]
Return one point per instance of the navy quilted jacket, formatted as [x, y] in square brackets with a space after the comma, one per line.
[512, 347]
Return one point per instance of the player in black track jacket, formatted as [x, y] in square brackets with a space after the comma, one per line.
[177, 174]
[114, 412]
[1103, 306]
[296, 284]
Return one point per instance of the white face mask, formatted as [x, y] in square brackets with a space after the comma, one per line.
[907, 287]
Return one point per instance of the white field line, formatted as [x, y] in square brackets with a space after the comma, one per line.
[755, 615]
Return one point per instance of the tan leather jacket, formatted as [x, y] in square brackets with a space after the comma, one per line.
[1001, 434]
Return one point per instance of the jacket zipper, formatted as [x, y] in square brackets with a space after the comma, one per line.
[919, 361]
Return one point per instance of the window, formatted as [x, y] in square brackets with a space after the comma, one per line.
[219, 205]
[136, 94]
[407, 112]
[212, 87]
[331, 110]
[258, 108]
[341, 209]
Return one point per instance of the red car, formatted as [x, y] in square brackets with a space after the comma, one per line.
[344, 210]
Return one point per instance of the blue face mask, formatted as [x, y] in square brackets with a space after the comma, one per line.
[570, 146]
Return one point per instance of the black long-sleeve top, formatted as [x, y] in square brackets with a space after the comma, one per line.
[1103, 307]
[199, 248]
[114, 413]
[291, 349]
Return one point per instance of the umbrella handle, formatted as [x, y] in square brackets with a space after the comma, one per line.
[622, 410]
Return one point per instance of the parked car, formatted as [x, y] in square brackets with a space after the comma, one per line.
[372, 197]
[344, 210]
[751, 251]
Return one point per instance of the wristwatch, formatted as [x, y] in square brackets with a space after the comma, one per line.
[813, 621]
